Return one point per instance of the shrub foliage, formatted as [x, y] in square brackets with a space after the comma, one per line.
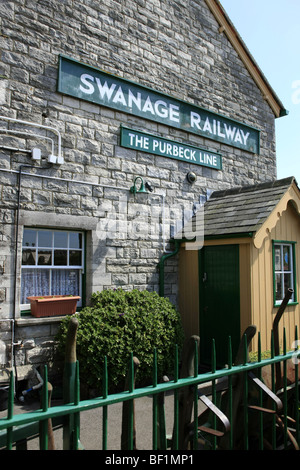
[119, 322]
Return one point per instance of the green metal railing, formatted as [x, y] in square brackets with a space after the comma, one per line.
[240, 412]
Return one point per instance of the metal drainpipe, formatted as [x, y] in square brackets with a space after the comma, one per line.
[161, 266]
[17, 234]
[16, 262]
[17, 217]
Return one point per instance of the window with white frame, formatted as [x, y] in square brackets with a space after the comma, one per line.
[284, 270]
[52, 263]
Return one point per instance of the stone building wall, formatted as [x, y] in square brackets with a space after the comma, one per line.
[172, 47]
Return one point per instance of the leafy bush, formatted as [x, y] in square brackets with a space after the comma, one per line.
[120, 322]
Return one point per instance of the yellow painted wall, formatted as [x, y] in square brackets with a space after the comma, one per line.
[189, 291]
[245, 286]
[287, 228]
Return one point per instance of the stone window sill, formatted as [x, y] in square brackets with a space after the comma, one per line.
[33, 321]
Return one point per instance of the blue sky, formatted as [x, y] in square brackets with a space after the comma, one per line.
[270, 29]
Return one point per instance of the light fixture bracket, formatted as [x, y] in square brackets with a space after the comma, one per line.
[134, 189]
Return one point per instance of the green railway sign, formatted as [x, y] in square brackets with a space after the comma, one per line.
[92, 84]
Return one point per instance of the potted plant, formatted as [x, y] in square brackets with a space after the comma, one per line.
[53, 305]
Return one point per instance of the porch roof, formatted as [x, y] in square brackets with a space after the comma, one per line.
[245, 210]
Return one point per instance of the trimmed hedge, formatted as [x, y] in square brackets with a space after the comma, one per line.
[119, 322]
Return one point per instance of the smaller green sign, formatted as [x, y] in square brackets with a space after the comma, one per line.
[144, 142]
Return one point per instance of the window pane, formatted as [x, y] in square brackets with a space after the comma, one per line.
[75, 240]
[44, 238]
[28, 257]
[34, 282]
[40, 274]
[60, 257]
[75, 258]
[65, 282]
[61, 239]
[277, 258]
[284, 275]
[29, 238]
[287, 282]
[44, 257]
[286, 258]
[278, 287]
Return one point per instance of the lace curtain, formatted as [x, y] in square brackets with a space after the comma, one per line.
[49, 282]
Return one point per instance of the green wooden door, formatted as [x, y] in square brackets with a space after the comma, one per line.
[219, 301]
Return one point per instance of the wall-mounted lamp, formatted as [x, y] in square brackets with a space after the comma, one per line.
[143, 187]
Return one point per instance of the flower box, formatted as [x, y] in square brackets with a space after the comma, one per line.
[53, 305]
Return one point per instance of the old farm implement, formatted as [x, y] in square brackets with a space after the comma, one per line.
[250, 407]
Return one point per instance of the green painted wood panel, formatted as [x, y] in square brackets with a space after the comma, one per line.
[219, 300]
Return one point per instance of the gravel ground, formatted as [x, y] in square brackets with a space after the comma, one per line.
[91, 425]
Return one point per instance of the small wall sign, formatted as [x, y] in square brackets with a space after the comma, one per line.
[144, 142]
